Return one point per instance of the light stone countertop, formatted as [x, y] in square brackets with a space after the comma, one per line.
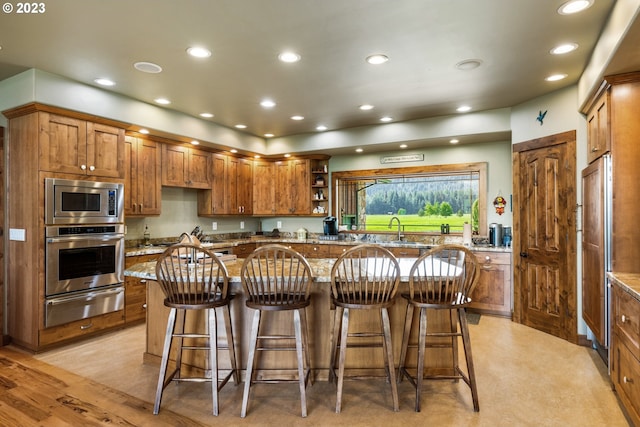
[225, 244]
[629, 282]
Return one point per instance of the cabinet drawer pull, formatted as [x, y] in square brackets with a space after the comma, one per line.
[627, 380]
[85, 327]
[487, 259]
[594, 149]
[623, 318]
[143, 281]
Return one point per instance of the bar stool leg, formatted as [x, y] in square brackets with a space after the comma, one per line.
[301, 365]
[405, 342]
[344, 329]
[231, 344]
[305, 345]
[250, 361]
[388, 347]
[213, 357]
[466, 341]
[168, 338]
[335, 332]
[454, 339]
[422, 343]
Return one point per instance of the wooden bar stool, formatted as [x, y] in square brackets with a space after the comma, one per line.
[276, 278]
[193, 278]
[441, 279]
[364, 277]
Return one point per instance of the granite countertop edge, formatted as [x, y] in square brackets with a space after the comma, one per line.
[628, 282]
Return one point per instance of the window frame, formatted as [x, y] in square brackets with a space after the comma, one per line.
[474, 167]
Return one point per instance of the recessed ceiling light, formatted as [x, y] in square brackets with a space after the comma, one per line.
[289, 57]
[321, 128]
[564, 48]
[377, 59]
[199, 52]
[403, 145]
[162, 101]
[105, 82]
[463, 109]
[148, 67]
[555, 77]
[574, 6]
[267, 103]
[268, 135]
[468, 64]
[144, 131]
[194, 142]
[366, 107]
[386, 119]
[297, 117]
[241, 126]
[233, 150]
[359, 150]
[453, 141]
[206, 115]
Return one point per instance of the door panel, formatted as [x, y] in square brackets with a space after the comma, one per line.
[545, 272]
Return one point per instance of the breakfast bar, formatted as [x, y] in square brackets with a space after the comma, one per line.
[320, 320]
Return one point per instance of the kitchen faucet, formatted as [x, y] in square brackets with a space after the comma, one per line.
[391, 223]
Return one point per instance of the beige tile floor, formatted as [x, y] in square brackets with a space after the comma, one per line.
[525, 378]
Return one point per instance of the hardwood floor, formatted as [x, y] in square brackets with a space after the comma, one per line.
[525, 378]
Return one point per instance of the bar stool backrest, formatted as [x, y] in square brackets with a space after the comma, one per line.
[191, 276]
[276, 276]
[365, 275]
[445, 275]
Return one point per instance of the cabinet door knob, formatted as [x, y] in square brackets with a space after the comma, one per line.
[83, 167]
[92, 168]
[623, 318]
[487, 258]
[594, 149]
[627, 380]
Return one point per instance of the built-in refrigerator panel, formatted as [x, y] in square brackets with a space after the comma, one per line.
[608, 230]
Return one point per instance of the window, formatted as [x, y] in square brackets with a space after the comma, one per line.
[424, 198]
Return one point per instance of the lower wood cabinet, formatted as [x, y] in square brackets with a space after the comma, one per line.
[624, 361]
[79, 329]
[492, 294]
[135, 291]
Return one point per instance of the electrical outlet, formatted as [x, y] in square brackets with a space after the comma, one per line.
[214, 226]
[241, 225]
[279, 225]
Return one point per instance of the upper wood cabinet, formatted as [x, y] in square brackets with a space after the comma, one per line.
[185, 167]
[142, 177]
[69, 145]
[599, 137]
[263, 188]
[292, 192]
[231, 189]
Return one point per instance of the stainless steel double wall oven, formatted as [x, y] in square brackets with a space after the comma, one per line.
[84, 238]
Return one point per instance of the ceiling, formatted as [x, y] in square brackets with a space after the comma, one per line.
[424, 40]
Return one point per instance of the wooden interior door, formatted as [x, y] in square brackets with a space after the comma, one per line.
[544, 242]
[2, 201]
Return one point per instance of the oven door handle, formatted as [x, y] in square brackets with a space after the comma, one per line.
[84, 238]
[85, 296]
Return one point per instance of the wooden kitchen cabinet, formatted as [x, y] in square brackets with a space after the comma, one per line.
[292, 192]
[231, 190]
[624, 361]
[142, 177]
[263, 188]
[135, 291]
[71, 145]
[185, 167]
[320, 187]
[243, 250]
[492, 293]
[598, 133]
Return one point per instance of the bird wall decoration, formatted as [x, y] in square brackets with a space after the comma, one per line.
[541, 115]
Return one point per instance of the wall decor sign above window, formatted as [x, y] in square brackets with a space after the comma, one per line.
[400, 159]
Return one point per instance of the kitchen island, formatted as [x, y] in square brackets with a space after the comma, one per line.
[319, 315]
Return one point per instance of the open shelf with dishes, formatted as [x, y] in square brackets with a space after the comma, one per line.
[320, 186]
